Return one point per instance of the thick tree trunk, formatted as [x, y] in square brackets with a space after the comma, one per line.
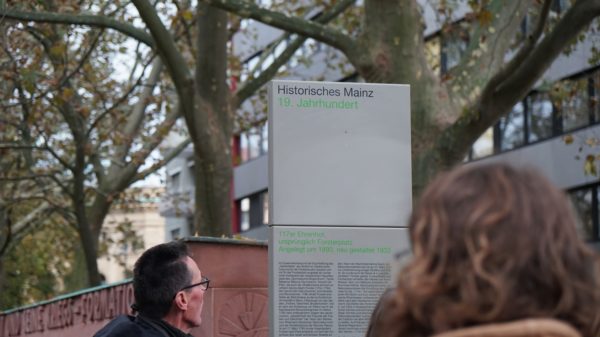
[90, 250]
[213, 163]
[212, 216]
[97, 212]
[89, 241]
[393, 52]
[425, 166]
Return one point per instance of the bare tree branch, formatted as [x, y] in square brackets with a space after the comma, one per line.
[180, 74]
[186, 27]
[166, 159]
[117, 103]
[522, 54]
[456, 139]
[120, 177]
[247, 9]
[9, 122]
[65, 78]
[23, 222]
[253, 124]
[541, 57]
[33, 197]
[135, 64]
[46, 147]
[132, 127]
[17, 82]
[83, 59]
[25, 177]
[487, 49]
[5, 222]
[29, 227]
[56, 156]
[250, 87]
[83, 19]
[99, 171]
[7, 146]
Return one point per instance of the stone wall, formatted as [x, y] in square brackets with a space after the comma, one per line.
[235, 305]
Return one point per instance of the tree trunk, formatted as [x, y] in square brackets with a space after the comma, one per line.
[89, 241]
[212, 216]
[214, 125]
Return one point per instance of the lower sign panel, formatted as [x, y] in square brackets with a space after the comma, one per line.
[325, 281]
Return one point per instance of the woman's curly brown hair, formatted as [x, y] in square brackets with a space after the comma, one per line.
[493, 243]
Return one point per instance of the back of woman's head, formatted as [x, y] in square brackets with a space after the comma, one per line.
[492, 244]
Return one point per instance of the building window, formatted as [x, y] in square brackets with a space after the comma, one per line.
[511, 128]
[254, 211]
[176, 234]
[245, 214]
[254, 142]
[175, 182]
[540, 121]
[573, 104]
[585, 203]
[265, 208]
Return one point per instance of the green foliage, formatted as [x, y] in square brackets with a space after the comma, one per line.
[34, 269]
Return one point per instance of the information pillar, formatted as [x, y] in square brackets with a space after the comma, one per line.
[340, 195]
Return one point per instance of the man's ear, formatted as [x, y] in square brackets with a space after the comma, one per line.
[181, 301]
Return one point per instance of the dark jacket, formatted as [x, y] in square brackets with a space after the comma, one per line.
[137, 326]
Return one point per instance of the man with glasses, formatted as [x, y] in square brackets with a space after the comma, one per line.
[169, 291]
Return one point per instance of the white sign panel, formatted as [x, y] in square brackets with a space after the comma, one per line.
[340, 154]
[325, 281]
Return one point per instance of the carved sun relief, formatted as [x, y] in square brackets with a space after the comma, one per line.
[245, 315]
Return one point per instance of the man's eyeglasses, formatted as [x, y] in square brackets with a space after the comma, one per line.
[204, 284]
